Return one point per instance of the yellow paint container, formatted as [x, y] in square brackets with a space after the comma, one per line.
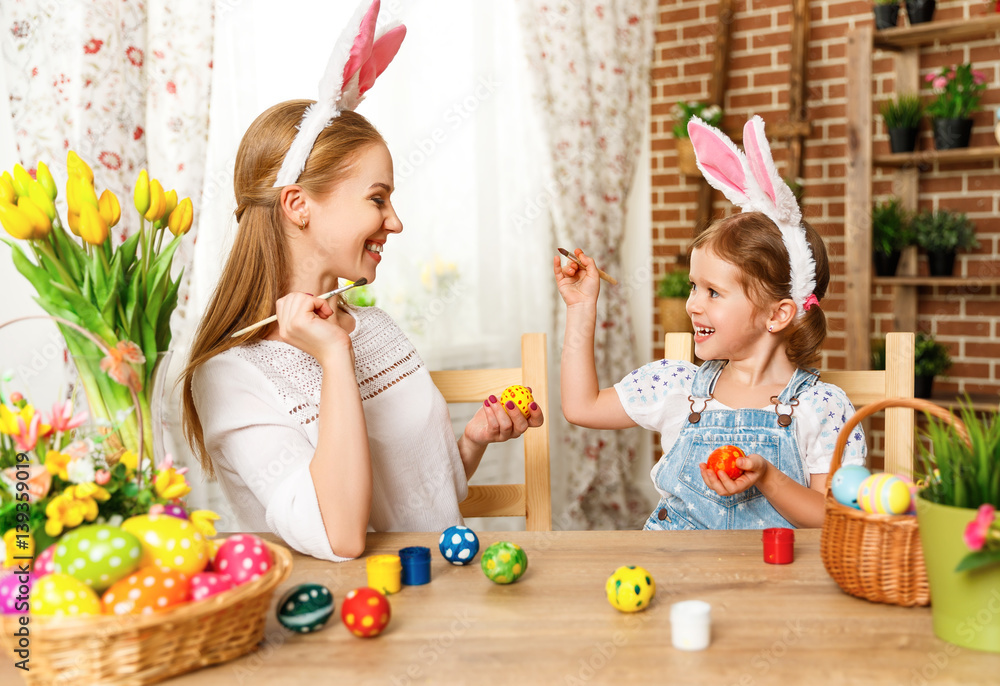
[384, 573]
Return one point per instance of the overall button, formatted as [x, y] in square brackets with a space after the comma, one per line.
[662, 515]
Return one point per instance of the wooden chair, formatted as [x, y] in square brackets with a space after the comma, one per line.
[862, 388]
[532, 499]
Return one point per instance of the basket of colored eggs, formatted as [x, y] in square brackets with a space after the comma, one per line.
[870, 544]
[142, 602]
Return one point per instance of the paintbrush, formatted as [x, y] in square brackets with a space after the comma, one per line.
[273, 318]
[600, 273]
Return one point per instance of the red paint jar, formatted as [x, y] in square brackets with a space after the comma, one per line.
[779, 546]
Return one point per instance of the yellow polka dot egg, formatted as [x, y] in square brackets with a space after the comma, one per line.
[520, 396]
[169, 542]
[61, 595]
[630, 589]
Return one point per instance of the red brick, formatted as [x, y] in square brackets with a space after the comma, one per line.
[976, 349]
[962, 328]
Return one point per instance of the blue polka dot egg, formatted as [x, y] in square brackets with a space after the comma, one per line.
[459, 544]
[305, 608]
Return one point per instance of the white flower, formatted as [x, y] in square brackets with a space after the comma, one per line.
[81, 470]
[711, 112]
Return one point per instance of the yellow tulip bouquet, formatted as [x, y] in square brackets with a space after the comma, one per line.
[124, 295]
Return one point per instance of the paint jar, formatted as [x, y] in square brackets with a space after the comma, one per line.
[416, 565]
[779, 546]
[691, 625]
[384, 573]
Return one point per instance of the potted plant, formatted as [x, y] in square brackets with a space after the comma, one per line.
[942, 233]
[682, 113]
[886, 13]
[930, 358]
[672, 292]
[890, 234]
[902, 119]
[920, 11]
[958, 91]
[959, 529]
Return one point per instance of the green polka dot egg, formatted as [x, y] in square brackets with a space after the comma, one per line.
[305, 608]
[630, 589]
[504, 562]
[98, 555]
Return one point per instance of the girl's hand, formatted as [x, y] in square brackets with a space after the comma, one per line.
[754, 468]
[495, 423]
[577, 284]
[308, 323]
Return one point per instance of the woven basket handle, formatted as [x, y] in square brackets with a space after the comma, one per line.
[871, 408]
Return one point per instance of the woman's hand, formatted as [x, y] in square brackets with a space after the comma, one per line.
[496, 423]
[754, 468]
[310, 324]
[577, 284]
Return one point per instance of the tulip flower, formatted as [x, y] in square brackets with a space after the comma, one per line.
[63, 419]
[141, 193]
[15, 222]
[22, 179]
[78, 167]
[111, 210]
[44, 177]
[157, 201]
[40, 197]
[27, 435]
[73, 220]
[978, 528]
[171, 198]
[7, 192]
[181, 218]
[40, 223]
[93, 228]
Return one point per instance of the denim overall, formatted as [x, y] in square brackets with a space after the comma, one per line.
[769, 433]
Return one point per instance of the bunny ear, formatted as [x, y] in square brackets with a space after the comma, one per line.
[766, 175]
[721, 162]
[361, 50]
[383, 51]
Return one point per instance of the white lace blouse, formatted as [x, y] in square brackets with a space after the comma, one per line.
[259, 405]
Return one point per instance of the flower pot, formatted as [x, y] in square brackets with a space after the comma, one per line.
[686, 160]
[919, 11]
[903, 139]
[965, 606]
[952, 133]
[885, 265]
[886, 16]
[941, 263]
[673, 314]
[923, 386]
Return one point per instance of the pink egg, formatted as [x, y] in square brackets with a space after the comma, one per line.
[175, 511]
[14, 594]
[244, 557]
[206, 584]
[43, 563]
[913, 492]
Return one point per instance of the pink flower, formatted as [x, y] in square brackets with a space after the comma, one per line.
[978, 77]
[940, 82]
[975, 532]
[63, 419]
[27, 435]
[102, 477]
[16, 397]
[168, 463]
[119, 361]
[156, 509]
[930, 77]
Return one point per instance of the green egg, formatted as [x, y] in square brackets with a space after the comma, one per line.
[305, 608]
[504, 562]
[98, 555]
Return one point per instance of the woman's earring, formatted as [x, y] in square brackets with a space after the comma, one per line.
[303, 220]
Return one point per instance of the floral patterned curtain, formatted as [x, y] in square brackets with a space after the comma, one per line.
[592, 62]
[123, 83]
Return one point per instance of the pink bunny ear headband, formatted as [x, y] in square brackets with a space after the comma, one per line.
[752, 183]
[358, 58]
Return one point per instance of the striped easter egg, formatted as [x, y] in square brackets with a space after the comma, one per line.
[305, 608]
[884, 493]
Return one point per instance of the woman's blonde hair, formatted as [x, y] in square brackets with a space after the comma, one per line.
[260, 248]
[752, 242]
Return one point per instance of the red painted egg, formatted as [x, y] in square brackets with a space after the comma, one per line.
[724, 459]
[365, 612]
[206, 584]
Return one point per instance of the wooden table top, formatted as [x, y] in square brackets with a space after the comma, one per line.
[771, 624]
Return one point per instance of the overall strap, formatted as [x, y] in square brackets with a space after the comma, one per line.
[702, 387]
[801, 380]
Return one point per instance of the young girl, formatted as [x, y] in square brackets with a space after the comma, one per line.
[756, 282]
[326, 424]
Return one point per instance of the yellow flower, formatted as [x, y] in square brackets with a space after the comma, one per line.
[204, 522]
[157, 201]
[73, 219]
[44, 177]
[93, 228]
[171, 202]
[111, 210]
[12, 550]
[130, 460]
[40, 197]
[141, 194]
[78, 167]
[63, 512]
[22, 179]
[8, 420]
[15, 222]
[90, 490]
[169, 484]
[181, 218]
[57, 462]
[40, 224]
[7, 192]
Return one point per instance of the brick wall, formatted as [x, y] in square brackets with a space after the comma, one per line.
[758, 84]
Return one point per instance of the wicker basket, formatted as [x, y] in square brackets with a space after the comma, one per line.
[143, 649]
[876, 556]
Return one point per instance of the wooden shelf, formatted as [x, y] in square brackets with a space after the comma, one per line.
[926, 158]
[945, 31]
[968, 282]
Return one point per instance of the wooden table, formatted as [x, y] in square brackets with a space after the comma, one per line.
[771, 624]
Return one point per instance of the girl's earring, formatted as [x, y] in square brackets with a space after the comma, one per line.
[770, 329]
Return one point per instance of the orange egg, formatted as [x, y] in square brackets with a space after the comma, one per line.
[147, 590]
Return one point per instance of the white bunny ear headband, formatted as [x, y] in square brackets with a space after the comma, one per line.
[752, 183]
[358, 58]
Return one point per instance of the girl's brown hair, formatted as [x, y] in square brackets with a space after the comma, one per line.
[260, 247]
[753, 243]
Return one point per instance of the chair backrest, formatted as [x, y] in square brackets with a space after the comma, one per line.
[532, 499]
[862, 388]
